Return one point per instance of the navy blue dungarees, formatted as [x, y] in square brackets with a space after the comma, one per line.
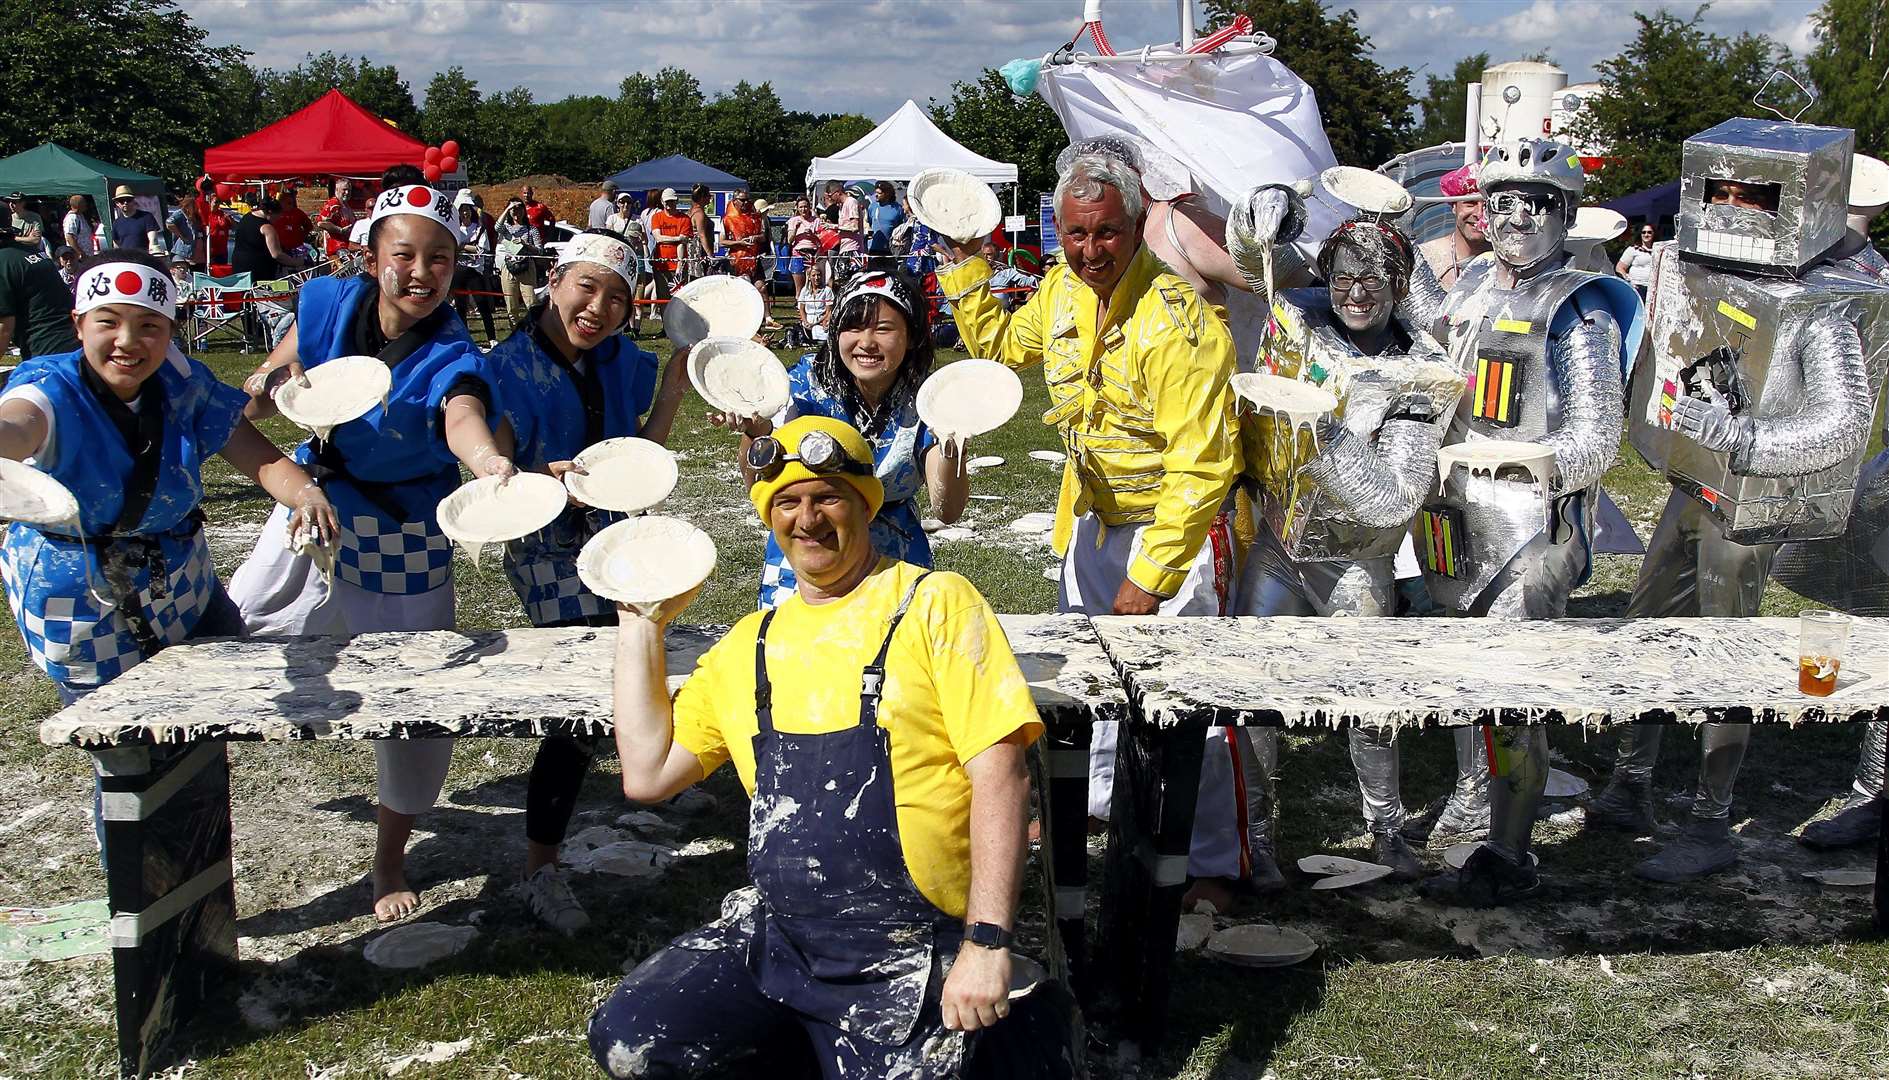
[841, 945]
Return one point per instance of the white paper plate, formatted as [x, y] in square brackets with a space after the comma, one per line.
[1373, 193]
[978, 464]
[714, 306]
[954, 203]
[1869, 182]
[1596, 224]
[739, 376]
[35, 498]
[1032, 523]
[969, 398]
[1048, 457]
[1261, 945]
[1332, 864]
[626, 475]
[644, 561]
[1457, 854]
[483, 511]
[343, 389]
[417, 944]
[1371, 872]
[1564, 785]
[1301, 401]
[1842, 878]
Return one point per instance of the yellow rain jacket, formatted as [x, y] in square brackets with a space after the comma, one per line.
[1144, 406]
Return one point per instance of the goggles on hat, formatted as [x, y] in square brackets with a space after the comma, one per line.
[820, 452]
[125, 283]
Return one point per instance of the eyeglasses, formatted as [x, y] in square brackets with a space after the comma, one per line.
[1344, 283]
[819, 452]
[1504, 203]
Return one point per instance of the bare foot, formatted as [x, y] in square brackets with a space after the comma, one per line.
[1215, 891]
[393, 898]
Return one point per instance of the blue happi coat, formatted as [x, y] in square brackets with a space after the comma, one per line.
[393, 465]
[898, 454]
[545, 405]
[52, 577]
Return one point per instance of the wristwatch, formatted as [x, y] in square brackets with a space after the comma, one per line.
[987, 935]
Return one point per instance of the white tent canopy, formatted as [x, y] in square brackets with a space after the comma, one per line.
[904, 145]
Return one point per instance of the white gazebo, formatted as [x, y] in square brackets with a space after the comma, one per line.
[902, 146]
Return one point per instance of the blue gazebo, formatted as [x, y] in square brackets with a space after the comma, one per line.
[682, 173]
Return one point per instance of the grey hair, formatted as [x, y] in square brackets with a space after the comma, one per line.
[1088, 175]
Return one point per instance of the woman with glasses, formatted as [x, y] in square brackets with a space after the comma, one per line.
[866, 373]
[1636, 263]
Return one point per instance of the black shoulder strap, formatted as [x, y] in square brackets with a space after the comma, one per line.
[763, 689]
[872, 679]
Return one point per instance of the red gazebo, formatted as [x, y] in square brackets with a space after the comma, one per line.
[333, 136]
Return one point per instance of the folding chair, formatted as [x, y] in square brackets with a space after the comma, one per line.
[273, 317]
[219, 307]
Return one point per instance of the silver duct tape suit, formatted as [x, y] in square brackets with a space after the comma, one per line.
[1330, 529]
[1789, 353]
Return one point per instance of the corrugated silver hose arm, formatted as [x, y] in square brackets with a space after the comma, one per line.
[1837, 408]
[1379, 486]
[1422, 306]
[1586, 364]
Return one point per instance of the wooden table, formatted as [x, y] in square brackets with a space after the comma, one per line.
[1185, 675]
[157, 734]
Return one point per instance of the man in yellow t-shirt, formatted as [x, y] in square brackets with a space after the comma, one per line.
[878, 720]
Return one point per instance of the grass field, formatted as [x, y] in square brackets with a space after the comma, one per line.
[1752, 974]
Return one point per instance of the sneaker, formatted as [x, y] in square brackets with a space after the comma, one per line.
[1702, 847]
[1390, 849]
[548, 894]
[1625, 806]
[1857, 823]
[1488, 879]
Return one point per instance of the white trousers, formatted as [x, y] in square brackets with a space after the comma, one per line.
[1092, 574]
[281, 592]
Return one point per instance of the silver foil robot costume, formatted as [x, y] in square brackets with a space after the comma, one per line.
[1768, 357]
[1544, 348]
[1334, 506]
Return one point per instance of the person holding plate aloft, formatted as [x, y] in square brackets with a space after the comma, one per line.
[569, 380]
[125, 423]
[867, 372]
[386, 472]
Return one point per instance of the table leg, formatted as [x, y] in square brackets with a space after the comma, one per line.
[1151, 826]
[165, 815]
[1882, 847]
[1066, 833]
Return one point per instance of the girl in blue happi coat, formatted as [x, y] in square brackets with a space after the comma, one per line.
[385, 472]
[570, 379]
[877, 351]
[126, 423]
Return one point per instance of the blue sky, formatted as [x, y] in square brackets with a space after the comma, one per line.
[869, 55]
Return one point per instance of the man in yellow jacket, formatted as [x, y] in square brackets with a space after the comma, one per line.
[1138, 369]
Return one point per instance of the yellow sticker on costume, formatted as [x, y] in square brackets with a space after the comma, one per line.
[1738, 316]
[1513, 326]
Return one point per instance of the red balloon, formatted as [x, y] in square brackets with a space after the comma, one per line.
[432, 174]
[449, 164]
[225, 191]
[433, 154]
[449, 148]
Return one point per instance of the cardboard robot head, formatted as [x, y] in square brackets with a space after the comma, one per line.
[1792, 194]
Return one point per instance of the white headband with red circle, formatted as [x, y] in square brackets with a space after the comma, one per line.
[125, 283]
[416, 199]
[605, 251]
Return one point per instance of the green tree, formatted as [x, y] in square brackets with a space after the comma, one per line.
[1850, 68]
[452, 112]
[129, 81]
[828, 135]
[377, 87]
[745, 132]
[1443, 104]
[576, 142]
[1672, 81]
[987, 118]
[510, 131]
[1366, 106]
